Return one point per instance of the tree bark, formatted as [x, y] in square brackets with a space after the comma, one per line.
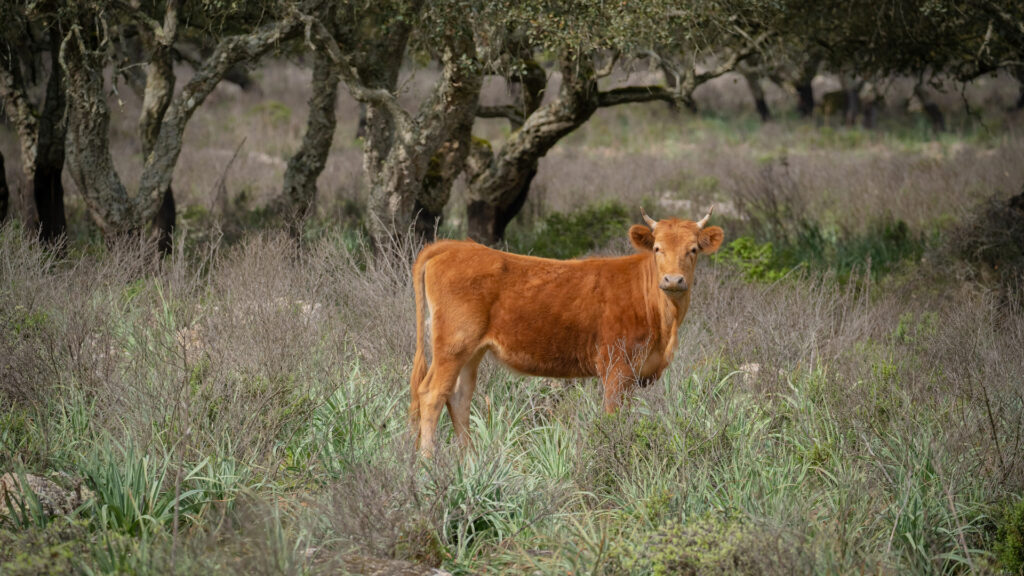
[931, 109]
[399, 150]
[754, 82]
[298, 193]
[499, 182]
[803, 85]
[445, 166]
[41, 136]
[5, 192]
[19, 109]
[805, 98]
[48, 190]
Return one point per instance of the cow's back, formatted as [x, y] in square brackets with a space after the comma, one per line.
[542, 317]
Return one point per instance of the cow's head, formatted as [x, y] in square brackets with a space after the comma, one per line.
[676, 244]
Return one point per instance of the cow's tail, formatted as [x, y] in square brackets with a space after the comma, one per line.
[419, 363]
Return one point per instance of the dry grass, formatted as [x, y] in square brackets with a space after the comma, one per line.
[881, 432]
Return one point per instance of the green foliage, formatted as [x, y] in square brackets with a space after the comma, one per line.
[756, 261]
[54, 548]
[712, 544]
[574, 234]
[481, 505]
[26, 322]
[883, 246]
[1009, 547]
[136, 493]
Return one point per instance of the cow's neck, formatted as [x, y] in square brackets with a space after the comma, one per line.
[671, 310]
[674, 312]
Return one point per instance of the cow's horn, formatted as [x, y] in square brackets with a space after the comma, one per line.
[651, 223]
[704, 220]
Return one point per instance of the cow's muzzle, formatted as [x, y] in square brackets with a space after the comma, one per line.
[673, 283]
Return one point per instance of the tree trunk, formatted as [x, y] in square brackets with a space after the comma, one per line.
[298, 193]
[754, 82]
[445, 166]
[20, 111]
[88, 146]
[805, 99]
[487, 222]
[803, 85]
[931, 109]
[399, 150]
[499, 182]
[163, 121]
[163, 223]
[852, 108]
[48, 190]
[5, 192]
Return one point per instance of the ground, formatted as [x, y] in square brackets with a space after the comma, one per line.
[241, 407]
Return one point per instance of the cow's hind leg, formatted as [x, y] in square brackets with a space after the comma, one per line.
[414, 404]
[434, 393]
[460, 401]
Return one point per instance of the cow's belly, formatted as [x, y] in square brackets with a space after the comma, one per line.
[547, 362]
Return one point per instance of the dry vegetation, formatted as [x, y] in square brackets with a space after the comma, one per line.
[846, 400]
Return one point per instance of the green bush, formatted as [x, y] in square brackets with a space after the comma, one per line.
[1009, 546]
[713, 544]
[53, 549]
[757, 261]
[574, 234]
[884, 244]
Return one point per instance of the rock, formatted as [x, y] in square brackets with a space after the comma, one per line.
[55, 499]
[749, 372]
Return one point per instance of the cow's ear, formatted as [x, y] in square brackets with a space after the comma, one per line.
[710, 239]
[642, 237]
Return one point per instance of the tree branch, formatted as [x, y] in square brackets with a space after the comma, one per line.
[609, 66]
[631, 94]
[350, 74]
[691, 80]
[507, 111]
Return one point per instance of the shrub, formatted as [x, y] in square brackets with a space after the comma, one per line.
[713, 544]
[1009, 546]
[53, 549]
[570, 235]
[756, 261]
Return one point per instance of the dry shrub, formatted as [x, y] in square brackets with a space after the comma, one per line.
[386, 510]
[992, 239]
[893, 352]
[373, 295]
[794, 323]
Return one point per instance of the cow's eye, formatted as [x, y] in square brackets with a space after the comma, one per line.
[693, 250]
[657, 249]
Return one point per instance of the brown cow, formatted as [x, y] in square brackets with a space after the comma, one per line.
[614, 318]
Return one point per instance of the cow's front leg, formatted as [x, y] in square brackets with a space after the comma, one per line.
[618, 382]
